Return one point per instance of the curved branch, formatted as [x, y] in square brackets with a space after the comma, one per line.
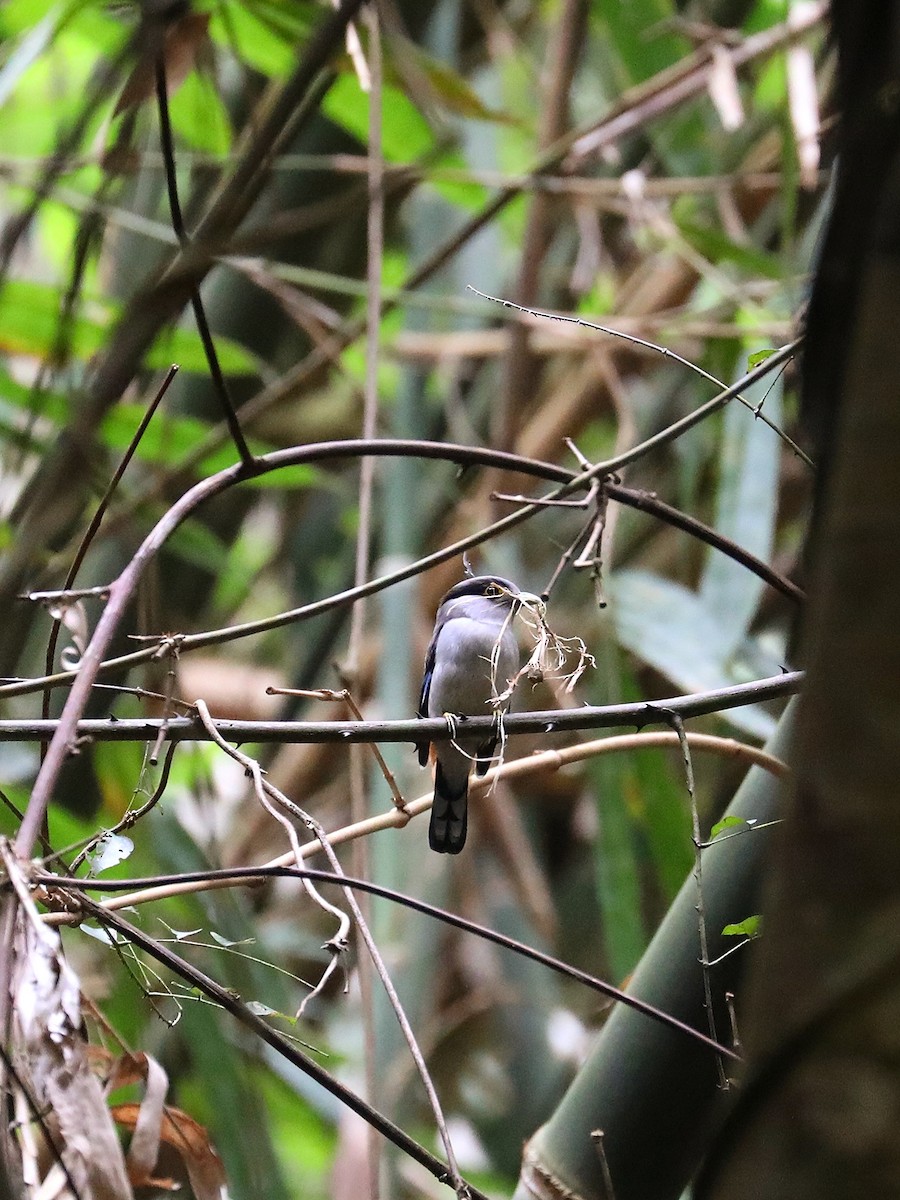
[244, 875]
[464, 456]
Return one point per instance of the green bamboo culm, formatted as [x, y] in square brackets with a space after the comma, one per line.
[652, 1092]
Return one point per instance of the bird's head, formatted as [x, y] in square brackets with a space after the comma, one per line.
[491, 587]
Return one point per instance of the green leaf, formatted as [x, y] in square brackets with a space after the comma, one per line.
[405, 133]
[617, 873]
[618, 880]
[717, 246]
[256, 41]
[676, 631]
[172, 439]
[746, 510]
[198, 545]
[19, 16]
[460, 193]
[666, 817]
[749, 928]
[199, 115]
[753, 360]
[29, 319]
[452, 91]
[66, 828]
[223, 1093]
[30, 47]
[166, 439]
[286, 479]
[184, 347]
[118, 767]
[29, 315]
[246, 558]
[639, 53]
[725, 823]
[306, 1141]
[770, 93]
[658, 801]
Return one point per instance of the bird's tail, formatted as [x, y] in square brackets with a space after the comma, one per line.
[447, 829]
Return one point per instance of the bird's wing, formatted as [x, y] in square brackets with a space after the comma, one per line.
[422, 748]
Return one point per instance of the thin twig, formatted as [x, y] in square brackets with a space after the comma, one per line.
[590, 559]
[678, 726]
[597, 1137]
[94, 526]
[209, 346]
[565, 319]
[173, 652]
[66, 595]
[732, 1017]
[358, 792]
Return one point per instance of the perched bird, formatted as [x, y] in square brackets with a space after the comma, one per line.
[472, 628]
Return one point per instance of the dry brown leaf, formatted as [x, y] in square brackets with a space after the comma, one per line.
[189, 1140]
[51, 1056]
[181, 45]
[144, 1148]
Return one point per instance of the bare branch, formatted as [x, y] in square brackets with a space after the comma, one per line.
[588, 716]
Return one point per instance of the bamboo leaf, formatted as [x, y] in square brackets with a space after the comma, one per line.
[683, 637]
[746, 507]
